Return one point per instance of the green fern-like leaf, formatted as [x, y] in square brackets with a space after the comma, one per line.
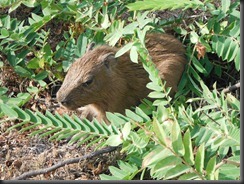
[229, 172]
[161, 4]
[199, 159]
[188, 156]
[59, 127]
[177, 142]
[177, 171]
[210, 169]
[125, 171]
[227, 48]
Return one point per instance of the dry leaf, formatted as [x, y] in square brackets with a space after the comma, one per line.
[99, 169]
[17, 164]
[201, 50]
[2, 140]
[8, 163]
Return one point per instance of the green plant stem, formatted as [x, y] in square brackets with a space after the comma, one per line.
[226, 161]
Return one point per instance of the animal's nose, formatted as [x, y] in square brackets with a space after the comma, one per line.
[64, 102]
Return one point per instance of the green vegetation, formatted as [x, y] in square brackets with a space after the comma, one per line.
[195, 136]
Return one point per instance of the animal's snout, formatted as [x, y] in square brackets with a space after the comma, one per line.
[64, 102]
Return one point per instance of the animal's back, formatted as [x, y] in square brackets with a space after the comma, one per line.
[168, 54]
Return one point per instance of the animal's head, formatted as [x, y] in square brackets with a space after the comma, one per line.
[88, 78]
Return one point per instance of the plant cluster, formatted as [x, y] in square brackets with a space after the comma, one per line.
[195, 136]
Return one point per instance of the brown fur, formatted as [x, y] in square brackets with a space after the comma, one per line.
[119, 83]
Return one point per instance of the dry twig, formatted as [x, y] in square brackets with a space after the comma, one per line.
[63, 163]
[232, 88]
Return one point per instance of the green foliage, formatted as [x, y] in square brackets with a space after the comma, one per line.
[226, 37]
[163, 4]
[19, 100]
[125, 171]
[167, 154]
[59, 127]
[195, 136]
[218, 33]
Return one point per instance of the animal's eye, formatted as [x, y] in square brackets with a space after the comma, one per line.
[87, 83]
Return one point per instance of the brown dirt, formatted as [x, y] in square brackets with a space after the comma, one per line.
[21, 153]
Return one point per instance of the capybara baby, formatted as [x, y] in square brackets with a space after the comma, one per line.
[99, 82]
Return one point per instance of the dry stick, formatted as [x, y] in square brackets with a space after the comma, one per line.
[232, 88]
[69, 161]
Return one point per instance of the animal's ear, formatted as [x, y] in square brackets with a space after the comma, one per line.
[90, 46]
[109, 60]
